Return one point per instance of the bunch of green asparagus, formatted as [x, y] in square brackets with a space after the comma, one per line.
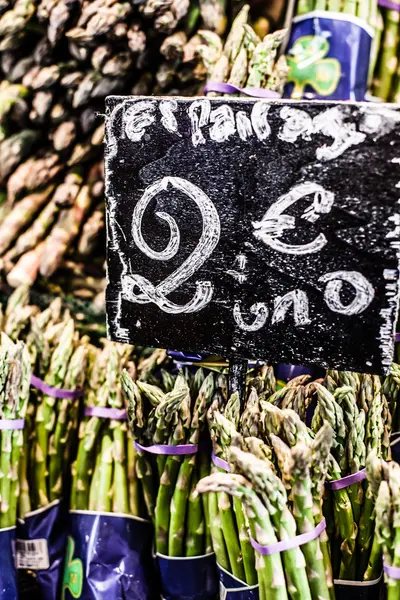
[174, 414]
[386, 477]
[103, 472]
[359, 409]
[62, 358]
[244, 60]
[278, 468]
[386, 82]
[14, 397]
[57, 355]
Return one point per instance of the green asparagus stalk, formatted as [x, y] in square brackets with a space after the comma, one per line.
[388, 60]
[183, 483]
[74, 379]
[178, 401]
[269, 568]
[273, 494]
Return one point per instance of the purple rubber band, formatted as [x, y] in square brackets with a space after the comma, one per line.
[295, 542]
[390, 5]
[55, 392]
[339, 484]
[228, 88]
[392, 572]
[103, 412]
[184, 356]
[9, 424]
[166, 449]
[397, 338]
[220, 462]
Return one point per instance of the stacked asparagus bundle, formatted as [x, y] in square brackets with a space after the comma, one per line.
[387, 519]
[244, 60]
[173, 416]
[386, 83]
[103, 473]
[58, 357]
[275, 452]
[364, 10]
[357, 408]
[14, 396]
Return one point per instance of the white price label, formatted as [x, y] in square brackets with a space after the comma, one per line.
[32, 554]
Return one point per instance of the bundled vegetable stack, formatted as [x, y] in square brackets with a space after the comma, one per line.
[14, 396]
[58, 360]
[63, 371]
[244, 61]
[277, 474]
[103, 474]
[386, 83]
[167, 426]
[351, 421]
[387, 478]
[55, 374]
[107, 502]
[359, 409]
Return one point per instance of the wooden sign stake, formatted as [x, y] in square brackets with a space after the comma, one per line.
[237, 378]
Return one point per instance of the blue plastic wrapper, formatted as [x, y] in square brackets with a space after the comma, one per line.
[49, 525]
[108, 558]
[193, 578]
[288, 372]
[182, 357]
[328, 57]
[232, 588]
[8, 572]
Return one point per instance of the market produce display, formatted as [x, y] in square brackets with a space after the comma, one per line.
[218, 479]
[122, 473]
[244, 61]
[386, 84]
[58, 62]
[386, 479]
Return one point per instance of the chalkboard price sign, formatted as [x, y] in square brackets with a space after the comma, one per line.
[255, 229]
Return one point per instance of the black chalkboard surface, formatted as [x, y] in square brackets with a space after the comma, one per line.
[255, 229]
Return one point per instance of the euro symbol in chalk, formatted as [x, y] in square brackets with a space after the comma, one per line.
[139, 289]
[275, 223]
